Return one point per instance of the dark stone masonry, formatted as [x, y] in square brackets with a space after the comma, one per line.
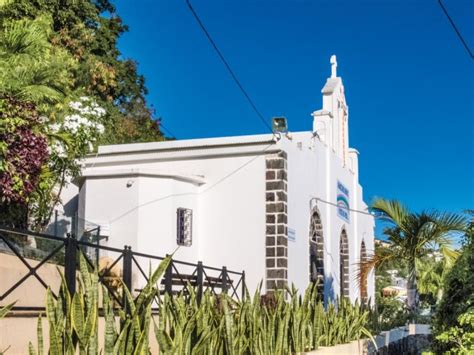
[276, 221]
[409, 345]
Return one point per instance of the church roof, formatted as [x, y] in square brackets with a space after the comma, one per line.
[331, 85]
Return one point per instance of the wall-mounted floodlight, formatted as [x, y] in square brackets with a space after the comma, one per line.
[280, 125]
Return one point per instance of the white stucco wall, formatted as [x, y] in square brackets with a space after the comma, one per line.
[313, 171]
[228, 207]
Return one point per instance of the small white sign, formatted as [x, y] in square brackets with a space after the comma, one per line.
[291, 235]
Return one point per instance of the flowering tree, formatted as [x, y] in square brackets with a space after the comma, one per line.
[46, 126]
[71, 136]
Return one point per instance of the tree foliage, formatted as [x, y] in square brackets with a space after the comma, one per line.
[414, 236]
[455, 313]
[54, 56]
[89, 31]
[23, 150]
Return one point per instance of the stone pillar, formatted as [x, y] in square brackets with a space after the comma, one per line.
[276, 221]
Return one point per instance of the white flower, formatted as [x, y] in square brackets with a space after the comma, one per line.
[84, 98]
[54, 127]
[99, 111]
[100, 128]
[76, 105]
[72, 118]
[58, 149]
[43, 119]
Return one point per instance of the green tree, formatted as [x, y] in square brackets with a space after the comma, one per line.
[54, 56]
[453, 323]
[414, 236]
[432, 272]
[89, 31]
[31, 68]
[46, 124]
[35, 81]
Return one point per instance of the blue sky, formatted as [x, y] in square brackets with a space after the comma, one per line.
[409, 82]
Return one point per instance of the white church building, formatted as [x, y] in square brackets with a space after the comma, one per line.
[284, 207]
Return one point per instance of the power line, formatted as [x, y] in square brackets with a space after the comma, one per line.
[456, 29]
[226, 64]
[167, 131]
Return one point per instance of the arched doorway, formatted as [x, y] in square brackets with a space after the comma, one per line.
[363, 276]
[344, 264]
[316, 251]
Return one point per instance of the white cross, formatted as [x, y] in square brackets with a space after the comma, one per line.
[333, 66]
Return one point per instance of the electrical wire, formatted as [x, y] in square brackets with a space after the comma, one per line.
[167, 130]
[456, 29]
[229, 69]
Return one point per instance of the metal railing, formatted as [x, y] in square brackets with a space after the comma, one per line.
[178, 277]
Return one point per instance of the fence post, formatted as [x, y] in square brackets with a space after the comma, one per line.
[169, 277]
[55, 223]
[70, 265]
[224, 279]
[243, 285]
[127, 274]
[199, 281]
[97, 249]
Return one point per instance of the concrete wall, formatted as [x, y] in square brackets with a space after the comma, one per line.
[17, 332]
[31, 292]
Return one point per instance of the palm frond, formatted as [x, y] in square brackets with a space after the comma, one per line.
[364, 267]
[391, 211]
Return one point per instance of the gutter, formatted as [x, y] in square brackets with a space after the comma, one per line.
[167, 147]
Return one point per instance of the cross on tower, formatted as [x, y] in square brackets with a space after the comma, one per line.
[333, 66]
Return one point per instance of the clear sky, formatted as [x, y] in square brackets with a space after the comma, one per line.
[408, 80]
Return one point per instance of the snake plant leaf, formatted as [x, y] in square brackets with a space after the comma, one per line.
[77, 317]
[31, 349]
[4, 310]
[164, 341]
[119, 347]
[110, 331]
[39, 334]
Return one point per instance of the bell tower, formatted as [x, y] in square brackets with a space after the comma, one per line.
[331, 122]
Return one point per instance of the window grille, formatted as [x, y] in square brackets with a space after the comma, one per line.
[185, 227]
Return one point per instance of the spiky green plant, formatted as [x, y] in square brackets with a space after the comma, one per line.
[220, 325]
[283, 322]
[3, 312]
[73, 321]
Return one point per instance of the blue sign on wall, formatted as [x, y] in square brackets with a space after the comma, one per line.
[342, 202]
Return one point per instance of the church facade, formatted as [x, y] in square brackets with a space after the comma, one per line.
[286, 207]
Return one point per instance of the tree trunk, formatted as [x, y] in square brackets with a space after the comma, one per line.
[412, 294]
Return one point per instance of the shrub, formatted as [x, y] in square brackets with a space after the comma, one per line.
[453, 322]
[211, 324]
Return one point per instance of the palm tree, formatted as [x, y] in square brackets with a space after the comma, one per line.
[31, 68]
[414, 236]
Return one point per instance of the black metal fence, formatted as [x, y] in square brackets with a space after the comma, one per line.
[178, 277]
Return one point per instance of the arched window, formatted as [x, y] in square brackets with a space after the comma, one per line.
[363, 276]
[344, 264]
[316, 251]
